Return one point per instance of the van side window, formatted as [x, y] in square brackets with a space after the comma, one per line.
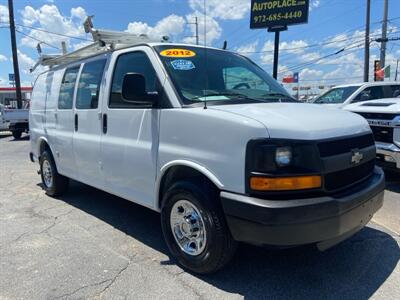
[393, 91]
[39, 93]
[370, 93]
[134, 62]
[87, 96]
[66, 96]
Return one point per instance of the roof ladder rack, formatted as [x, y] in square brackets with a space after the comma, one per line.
[103, 41]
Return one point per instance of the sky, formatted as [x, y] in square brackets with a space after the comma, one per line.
[333, 25]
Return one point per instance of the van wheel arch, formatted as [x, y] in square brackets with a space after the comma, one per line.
[44, 146]
[178, 173]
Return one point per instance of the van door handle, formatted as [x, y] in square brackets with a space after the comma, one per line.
[76, 122]
[104, 123]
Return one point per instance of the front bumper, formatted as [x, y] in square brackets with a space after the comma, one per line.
[388, 154]
[303, 221]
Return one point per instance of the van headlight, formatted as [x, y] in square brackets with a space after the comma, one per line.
[283, 156]
[279, 164]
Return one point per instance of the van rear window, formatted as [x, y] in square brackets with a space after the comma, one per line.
[67, 88]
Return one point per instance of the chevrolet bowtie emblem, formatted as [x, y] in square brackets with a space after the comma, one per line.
[356, 157]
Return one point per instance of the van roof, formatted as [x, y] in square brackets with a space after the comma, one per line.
[98, 48]
[365, 84]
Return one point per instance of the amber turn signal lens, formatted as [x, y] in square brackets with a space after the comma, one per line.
[285, 183]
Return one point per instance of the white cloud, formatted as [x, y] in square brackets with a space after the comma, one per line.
[247, 49]
[25, 62]
[222, 9]
[49, 18]
[79, 45]
[79, 13]
[310, 74]
[353, 38]
[3, 58]
[4, 13]
[314, 4]
[29, 15]
[171, 26]
[295, 48]
[267, 56]
[310, 56]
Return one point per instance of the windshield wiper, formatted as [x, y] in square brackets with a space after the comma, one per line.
[279, 96]
[237, 95]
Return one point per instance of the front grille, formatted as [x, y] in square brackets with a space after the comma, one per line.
[335, 147]
[378, 116]
[344, 178]
[383, 134]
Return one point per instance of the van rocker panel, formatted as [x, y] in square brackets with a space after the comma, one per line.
[303, 221]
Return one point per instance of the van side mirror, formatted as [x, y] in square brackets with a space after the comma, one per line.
[134, 90]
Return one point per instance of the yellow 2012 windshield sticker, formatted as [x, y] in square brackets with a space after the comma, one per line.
[177, 53]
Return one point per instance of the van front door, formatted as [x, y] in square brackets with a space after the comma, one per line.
[87, 123]
[130, 134]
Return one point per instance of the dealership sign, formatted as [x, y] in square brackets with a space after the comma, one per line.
[278, 13]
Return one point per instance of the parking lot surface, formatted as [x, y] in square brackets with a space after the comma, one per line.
[91, 245]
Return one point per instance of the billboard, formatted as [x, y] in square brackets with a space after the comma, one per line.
[278, 13]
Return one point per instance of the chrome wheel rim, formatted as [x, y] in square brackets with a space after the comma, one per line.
[47, 173]
[188, 228]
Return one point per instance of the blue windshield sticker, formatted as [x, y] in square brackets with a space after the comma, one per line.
[182, 64]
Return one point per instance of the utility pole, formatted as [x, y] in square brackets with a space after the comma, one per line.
[384, 33]
[14, 54]
[366, 47]
[197, 30]
[196, 23]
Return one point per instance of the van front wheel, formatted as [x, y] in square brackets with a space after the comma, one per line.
[195, 229]
[54, 184]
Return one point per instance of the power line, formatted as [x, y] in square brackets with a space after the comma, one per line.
[314, 61]
[309, 46]
[51, 32]
[60, 34]
[40, 41]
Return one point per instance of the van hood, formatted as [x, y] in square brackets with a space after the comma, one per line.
[335, 105]
[388, 105]
[300, 121]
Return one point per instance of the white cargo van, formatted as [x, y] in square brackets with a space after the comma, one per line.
[208, 139]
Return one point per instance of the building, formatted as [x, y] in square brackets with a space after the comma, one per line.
[8, 96]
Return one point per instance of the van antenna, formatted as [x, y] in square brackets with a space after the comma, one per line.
[205, 55]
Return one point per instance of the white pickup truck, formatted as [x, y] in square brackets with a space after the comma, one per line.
[342, 95]
[384, 118]
[14, 120]
[208, 139]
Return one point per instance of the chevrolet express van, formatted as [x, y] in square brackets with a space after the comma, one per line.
[211, 141]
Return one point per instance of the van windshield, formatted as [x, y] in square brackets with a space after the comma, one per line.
[204, 74]
[336, 95]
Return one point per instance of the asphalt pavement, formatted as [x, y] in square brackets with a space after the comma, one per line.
[92, 245]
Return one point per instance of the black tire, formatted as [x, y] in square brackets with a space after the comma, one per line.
[59, 184]
[219, 246]
[17, 134]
